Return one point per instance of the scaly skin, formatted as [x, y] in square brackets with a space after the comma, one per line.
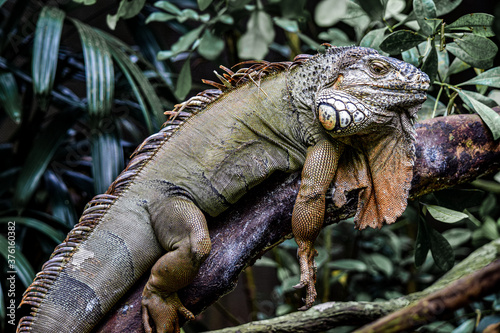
[343, 116]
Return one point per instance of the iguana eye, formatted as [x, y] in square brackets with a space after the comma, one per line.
[378, 67]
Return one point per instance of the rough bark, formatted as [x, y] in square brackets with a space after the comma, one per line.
[450, 151]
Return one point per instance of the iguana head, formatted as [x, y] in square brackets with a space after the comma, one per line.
[370, 89]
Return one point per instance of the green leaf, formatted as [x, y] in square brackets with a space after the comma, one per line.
[336, 37]
[424, 10]
[126, 9]
[41, 153]
[184, 82]
[373, 39]
[329, 12]
[25, 272]
[99, 72]
[489, 78]
[183, 44]
[490, 229]
[86, 2]
[457, 236]
[254, 44]
[467, 58]
[441, 250]
[382, 263]
[107, 158]
[446, 6]
[487, 114]
[55, 235]
[477, 23]
[373, 8]
[9, 97]
[457, 66]
[60, 199]
[411, 56]
[287, 24]
[210, 46]
[168, 7]
[445, 215]
[400, 41]
[430, 66]
[45, 51]
[422, 244]
[266, 262]
[203, 4]
[141, 87]
[467, 326]
[477, 47]
[348, 265]
[160, 17]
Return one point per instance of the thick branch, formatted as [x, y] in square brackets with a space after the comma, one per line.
[450, 151]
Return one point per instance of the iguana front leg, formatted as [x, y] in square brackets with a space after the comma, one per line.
[181, 229]
[309, 210]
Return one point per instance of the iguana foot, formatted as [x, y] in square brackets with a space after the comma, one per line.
[163, 310]
[306, 256]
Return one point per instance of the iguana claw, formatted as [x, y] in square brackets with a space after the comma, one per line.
[307, 274]
[163, 310]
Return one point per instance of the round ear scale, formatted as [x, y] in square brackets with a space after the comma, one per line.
[340, 115]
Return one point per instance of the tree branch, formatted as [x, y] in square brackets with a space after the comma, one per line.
[451, 292]
[450, 151]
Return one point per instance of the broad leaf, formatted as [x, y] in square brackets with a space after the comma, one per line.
[400, 41]
[373, 8]
[160, 17]
[446, 6]
[445, 215]
[490, 117]
[411, 56]
[424, 10]
[373, 38]
[422, 244]
[183, 44]
[127, 9]
[489, 78]
[430, 66]
[203, 4]
[287, 24]
[329, 12]
[348, 265]
[441, 250]
[477, 23]
[45, 51]
[254, 44]
[9, 97]
[457, 66]
[467, 58]
[210, 46]
[168, 7]
[477, 47]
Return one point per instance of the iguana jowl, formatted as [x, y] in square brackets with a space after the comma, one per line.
[344, 116]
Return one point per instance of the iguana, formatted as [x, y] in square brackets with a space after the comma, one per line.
[344, 115]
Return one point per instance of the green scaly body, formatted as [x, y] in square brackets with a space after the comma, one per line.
[221, 145]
